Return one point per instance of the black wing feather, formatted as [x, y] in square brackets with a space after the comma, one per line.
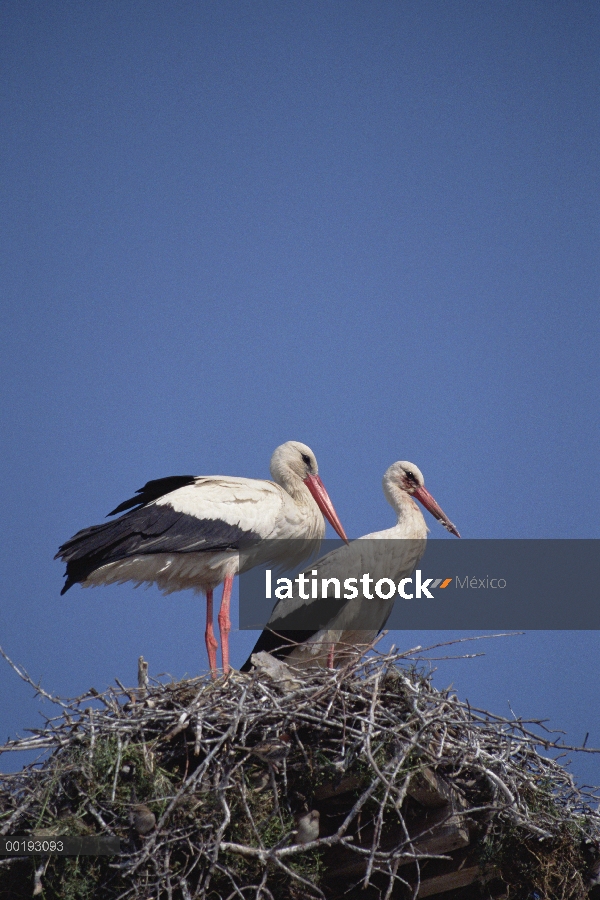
[152, 490]
[143, 531]
[282, 634]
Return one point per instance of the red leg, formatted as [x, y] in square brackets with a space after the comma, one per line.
[225, 621]
[330, 657]
[209, 635]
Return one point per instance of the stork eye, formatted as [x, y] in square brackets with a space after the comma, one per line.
[411, 477]
[306, 460]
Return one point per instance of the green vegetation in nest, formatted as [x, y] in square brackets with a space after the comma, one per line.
[224, 771]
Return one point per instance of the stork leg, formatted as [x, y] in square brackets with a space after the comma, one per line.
[225, 621]
[330, 656]
[209, 635]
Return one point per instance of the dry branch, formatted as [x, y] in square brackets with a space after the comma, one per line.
[404, 777]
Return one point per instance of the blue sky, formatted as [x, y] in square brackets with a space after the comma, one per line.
[368, 226]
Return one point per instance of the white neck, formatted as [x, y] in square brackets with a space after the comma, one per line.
[411, 523]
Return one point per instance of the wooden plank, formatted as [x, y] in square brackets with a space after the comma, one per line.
[438, 830]
[439, 884]
[334, 788]
[450, 881]
[432, 790]
[427, 788]
[444, 838]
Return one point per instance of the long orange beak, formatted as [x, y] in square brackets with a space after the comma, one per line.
[317, 489]
[424, 497]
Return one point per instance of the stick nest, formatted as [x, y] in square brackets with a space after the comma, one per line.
[224, 769]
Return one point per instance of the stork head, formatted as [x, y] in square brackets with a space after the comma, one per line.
[293, 462]
[293, 457]
[407, 477]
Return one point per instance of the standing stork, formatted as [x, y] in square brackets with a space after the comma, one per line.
[392, 554]
[190, 531]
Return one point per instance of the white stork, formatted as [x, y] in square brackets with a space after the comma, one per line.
[186, 531]
[392, 554]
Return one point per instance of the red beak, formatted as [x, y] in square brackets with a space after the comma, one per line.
[424, 497]
[317, 489]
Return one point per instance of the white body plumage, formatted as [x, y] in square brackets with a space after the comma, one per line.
[198, 531]
[260, 510]
[392, 553]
